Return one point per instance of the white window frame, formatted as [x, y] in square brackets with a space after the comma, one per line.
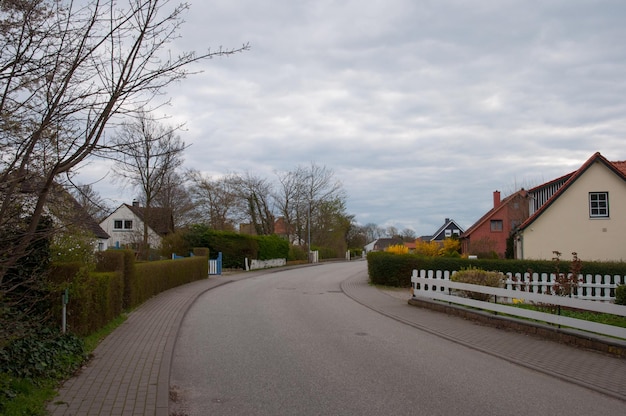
[126, 225]
[598, 205]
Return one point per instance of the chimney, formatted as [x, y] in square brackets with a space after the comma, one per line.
[496, 199]
[135, 203]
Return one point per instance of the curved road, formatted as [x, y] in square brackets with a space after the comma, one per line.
[291, 343]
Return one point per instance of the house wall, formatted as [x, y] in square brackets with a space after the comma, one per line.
[565, 226]
[483, 239]
[123, 237]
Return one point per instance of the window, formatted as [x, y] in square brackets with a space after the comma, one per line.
[497, 225]
[448, 233]
[598, 204]
[123, 224]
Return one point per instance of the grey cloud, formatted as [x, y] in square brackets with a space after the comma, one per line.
[422, 109]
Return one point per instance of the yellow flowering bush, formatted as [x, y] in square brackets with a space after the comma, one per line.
[397, 249]
[427, 248]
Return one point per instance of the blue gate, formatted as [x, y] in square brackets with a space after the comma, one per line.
[215, 265]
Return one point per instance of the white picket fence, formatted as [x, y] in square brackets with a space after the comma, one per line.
[591, 287]
[436, 285]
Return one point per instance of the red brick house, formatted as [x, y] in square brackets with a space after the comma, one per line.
[488, 236]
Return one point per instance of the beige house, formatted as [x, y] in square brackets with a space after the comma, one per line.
[582, 212]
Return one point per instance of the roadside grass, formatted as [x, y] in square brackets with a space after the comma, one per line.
[602, 318]
[28, 396]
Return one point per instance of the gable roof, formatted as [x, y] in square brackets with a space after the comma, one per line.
[445, 226]
[619, 168]
[160, 219]
[81, 218]
[382, 243]
[64, 207]
[522, 192]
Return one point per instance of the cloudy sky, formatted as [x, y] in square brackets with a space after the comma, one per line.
[421, 108]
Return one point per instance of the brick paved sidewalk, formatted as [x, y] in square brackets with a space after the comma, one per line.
[598, 371]
[129, 374]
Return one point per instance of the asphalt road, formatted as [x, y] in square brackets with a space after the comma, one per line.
[291, 343]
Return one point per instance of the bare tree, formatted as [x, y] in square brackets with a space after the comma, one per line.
[255, 195]
[216, 200]
[310, 200]
[147, 154]
[176, 198]
[289, 200]
[408, 234]
[356, 235]
[373, 231]
[67, 69]
[91, 201]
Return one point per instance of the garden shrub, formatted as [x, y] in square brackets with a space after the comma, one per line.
[325, 253]
[235, 248]
[152, 278]
[397, 249]
[478, 277]
[272, 247]
[46, 354]
[95, 298]
[620, 295]
[389, 269]
[297, 253]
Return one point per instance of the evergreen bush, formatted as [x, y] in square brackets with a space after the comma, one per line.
[620, 295]
[480, 277]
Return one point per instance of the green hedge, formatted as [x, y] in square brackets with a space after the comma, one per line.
[152, 278]
[620, 295]
[95, 298]
[395, 269]
[272, 247]
[391, 269]
[118, 283]
[121, 261]
[235, 248]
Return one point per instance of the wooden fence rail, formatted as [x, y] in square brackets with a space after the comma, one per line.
[436, 284]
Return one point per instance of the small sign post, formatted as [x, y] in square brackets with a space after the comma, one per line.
[65, 298]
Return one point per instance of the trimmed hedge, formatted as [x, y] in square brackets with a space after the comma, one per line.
[396, 269]
[272, 247]
[235, 248]
[95, 300]
[391, 269]
[97, 297]
[152, 278]
[121, 261]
